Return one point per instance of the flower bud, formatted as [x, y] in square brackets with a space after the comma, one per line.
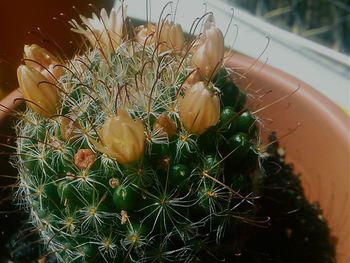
[170, 37]
[209, 54]
[123, 138]
[46, 61]
[42, 97]
[165, 125]
[199, 108]
[145, 34]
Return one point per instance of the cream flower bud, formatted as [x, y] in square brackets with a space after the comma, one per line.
[209, 54]
[46, 61]
[170, 37]
[199, 108]
[42, 97]
[145, 35]
[123, 138]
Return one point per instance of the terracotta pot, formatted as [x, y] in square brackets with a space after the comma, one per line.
[317, 140]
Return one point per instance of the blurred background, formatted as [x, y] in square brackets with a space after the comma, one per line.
[324, 21]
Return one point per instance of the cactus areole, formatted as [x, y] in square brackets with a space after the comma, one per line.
[139, 148]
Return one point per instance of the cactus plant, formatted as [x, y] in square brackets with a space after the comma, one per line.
[140, 148]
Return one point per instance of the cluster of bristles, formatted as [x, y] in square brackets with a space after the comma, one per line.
[138, 149]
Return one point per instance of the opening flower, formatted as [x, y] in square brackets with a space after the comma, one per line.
[106, 30]
[199, 108]
[42, 97]
[123, 138]
[209, 52]
[145, 35]
[170, 37]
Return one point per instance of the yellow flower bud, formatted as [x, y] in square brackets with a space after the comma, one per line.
[44, 96]
[165, 125]
[199, 108]
[209, 54]
[123, 138]
[145, 34]
[170, 37]
[46, 61]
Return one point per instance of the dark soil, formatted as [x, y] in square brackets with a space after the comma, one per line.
[298, 232]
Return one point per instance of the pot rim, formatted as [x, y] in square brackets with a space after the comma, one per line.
[9, 103]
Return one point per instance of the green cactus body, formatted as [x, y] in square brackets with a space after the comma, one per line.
[183, 197]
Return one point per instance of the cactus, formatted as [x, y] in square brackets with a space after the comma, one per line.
[138, 149]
